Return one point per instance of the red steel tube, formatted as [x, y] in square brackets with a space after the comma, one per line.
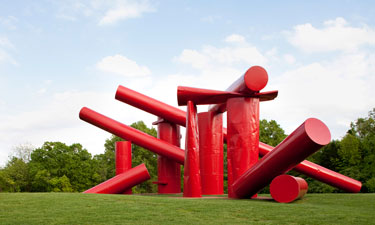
[211, 153]
[122, 182]
[137, 137]
[169, 172]
[242, 137]
[178, 116]
[151, 105]
[123, 153]
[320, 173]
[192, 177]
[305, 140]
[254, 80]
[286, 188]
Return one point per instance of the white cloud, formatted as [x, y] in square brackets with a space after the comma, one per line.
[9, 22]
[335, 35]
[107, 12]
[289, 58]
[235, 38]
[232, 55]
[119, 64]
[5, 46]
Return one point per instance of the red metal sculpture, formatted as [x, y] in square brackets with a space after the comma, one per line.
[123, 157]
[286, 188]
[203, 155]
[169, 172]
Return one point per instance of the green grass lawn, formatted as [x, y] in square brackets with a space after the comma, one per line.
[77, 208]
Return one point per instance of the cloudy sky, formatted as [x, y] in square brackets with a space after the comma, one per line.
[58, 56]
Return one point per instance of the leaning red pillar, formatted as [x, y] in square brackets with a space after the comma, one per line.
[242, 137]
[304, 141]
[211, 152]
[122, 182]
[169, 172]
[286, 188]
[192, 178]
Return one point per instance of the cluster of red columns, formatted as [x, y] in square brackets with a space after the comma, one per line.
[205, 135]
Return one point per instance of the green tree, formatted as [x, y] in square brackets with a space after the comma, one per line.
[270, 132]
[54, 160]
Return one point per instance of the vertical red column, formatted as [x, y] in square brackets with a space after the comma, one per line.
[169, 172]
[123, 153]
[192, 178]
[211, 152]
[242, 137]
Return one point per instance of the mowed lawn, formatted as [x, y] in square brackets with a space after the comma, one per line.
[77, 208]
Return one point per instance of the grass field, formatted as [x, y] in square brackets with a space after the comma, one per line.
[76, 208]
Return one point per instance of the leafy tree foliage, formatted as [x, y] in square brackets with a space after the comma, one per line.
[270, 132]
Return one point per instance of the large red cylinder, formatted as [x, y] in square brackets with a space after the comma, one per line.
[254, 80]
[123, 156]
[192, 178]
[211, 153]
[178, 116]
[320, 173]
[169, 172]
[137, 137]
[122, 182]
[286, 188]
[242, 136]
[305, 140]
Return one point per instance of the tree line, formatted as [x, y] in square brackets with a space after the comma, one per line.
[57, 167]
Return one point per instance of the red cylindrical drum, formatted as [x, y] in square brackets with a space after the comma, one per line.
[286, 188]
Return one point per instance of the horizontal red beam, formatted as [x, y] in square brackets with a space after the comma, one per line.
[202, 96]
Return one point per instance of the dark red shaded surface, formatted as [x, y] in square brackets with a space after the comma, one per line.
[122, 182]
[135, 136]
[300, 144]
[123, 153]
[254, 80]
[242, 137]
[169, 172]
[192, 178]
[286, 188]
[178, 116]
[202, 96]
[211, 153]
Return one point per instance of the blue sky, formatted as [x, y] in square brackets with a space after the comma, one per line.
[58, 56]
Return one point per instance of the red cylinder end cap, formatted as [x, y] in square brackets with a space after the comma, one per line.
[286, 188]
[317, 131]
[256, 78]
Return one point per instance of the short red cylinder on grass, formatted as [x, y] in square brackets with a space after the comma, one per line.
[286, 188]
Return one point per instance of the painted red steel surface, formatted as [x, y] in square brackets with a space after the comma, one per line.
[192, 178]
[151, 105]
[320, 173]
[206, 96]
[169, 172]
[135, 136]
[123, 153]
[122, 182]
[211, 153]
[254, 80]
[305, 140]
[286, 188]
[178, 116]
[242, 137]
